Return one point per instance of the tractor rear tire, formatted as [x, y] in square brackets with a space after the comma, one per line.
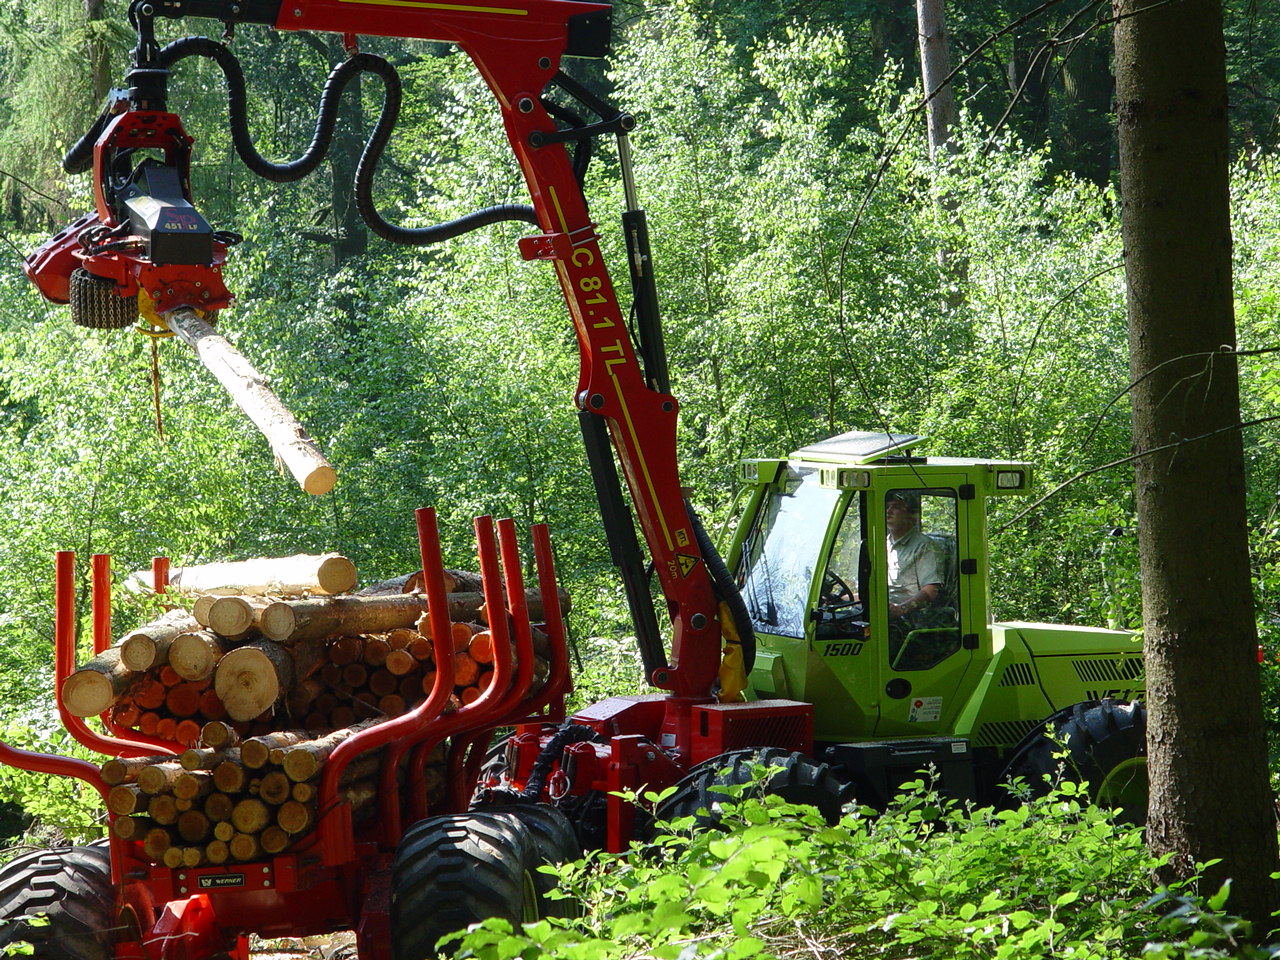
[455, 870]
[72, 888]
[795, 778]
[96, 303]
[1105, 743]
[554, 842]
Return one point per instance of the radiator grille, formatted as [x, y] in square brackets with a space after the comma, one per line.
[740, 732]
[1108, 669]
[1018, 675]
[719, 728]
[1004, 734]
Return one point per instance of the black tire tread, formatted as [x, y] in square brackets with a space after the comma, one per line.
[72, 887]
[554, 842]
[796, 778]
[1098, 735]
[454, 870]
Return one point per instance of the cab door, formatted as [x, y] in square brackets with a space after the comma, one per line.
[921, 606]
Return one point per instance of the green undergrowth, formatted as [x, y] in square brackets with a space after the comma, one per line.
[929, 878]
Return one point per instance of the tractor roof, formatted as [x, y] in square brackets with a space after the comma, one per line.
[856, 446]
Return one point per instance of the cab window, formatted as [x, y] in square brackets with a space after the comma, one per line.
[921, 596]
[781, 552]
[841, 611]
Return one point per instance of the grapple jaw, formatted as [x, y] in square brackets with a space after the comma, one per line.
[144, 237]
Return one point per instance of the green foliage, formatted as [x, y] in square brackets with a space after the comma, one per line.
[21, 948]
[1053, 878]
[64, 809]
[604, 667]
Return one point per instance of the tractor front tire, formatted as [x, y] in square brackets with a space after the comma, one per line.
[70, 887]
[1105, 742]
[455, 870]
[794, 777]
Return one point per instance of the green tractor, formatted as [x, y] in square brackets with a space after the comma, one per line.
[864, 570]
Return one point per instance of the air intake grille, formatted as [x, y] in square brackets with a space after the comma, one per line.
[1107, 670]
[1004, 734]
[1018, 675]
[757, 731]
[719, 728]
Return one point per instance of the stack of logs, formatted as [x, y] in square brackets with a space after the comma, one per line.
[260, 688]
[214, 805]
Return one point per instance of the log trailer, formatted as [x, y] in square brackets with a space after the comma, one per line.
[789, 654]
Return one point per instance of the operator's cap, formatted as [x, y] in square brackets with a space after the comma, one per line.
[908, 498]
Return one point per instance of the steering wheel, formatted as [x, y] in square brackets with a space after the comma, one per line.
[835, 592]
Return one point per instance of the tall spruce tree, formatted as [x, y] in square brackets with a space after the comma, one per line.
[1210, 796]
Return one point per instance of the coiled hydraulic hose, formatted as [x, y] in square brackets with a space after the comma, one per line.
[80, 157]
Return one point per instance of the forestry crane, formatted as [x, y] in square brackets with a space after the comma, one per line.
[838, 701]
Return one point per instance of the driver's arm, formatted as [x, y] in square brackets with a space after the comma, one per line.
[925, 596]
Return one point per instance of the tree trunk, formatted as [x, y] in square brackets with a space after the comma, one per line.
[935, 66]
[1210, 797]
[98, 50]
[1084, 125]
[351, 239]
[940, 107]
[890, 23]
[1028, 75]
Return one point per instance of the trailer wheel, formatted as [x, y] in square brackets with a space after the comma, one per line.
[1106, 745]
[455, 870]
[72, 888]
[795, 777]
[554, 842]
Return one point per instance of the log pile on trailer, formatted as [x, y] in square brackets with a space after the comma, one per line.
[260, 688]
[214, 805]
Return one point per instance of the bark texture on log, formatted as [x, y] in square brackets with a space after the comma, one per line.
[248, 388]
[328, 573]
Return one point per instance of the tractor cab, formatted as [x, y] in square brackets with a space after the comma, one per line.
[864, 571]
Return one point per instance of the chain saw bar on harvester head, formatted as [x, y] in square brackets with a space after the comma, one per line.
[175, 259]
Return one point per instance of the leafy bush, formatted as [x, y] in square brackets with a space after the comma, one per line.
[930, 877]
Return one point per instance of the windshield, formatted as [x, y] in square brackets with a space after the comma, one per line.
[780, 553]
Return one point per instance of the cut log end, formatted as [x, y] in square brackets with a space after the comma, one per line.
[247, 682]
[336, 574]
[319, 481]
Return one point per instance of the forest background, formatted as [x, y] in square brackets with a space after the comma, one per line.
[781, 156]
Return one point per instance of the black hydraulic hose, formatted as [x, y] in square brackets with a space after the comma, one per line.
[326, 118]
[570, 733]
[80, 157]
[326, 121]
[368, 165]
[726, 589]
